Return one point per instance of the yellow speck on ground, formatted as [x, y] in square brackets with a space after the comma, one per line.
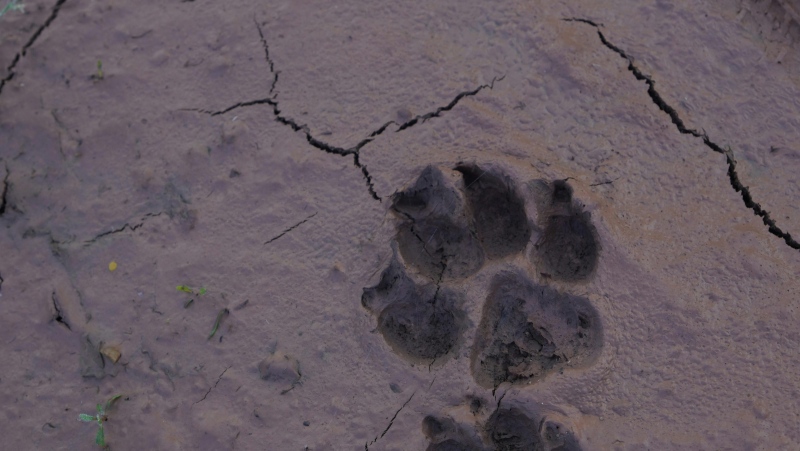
[112, 266]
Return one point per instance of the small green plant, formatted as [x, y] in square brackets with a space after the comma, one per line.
[192, 291]
[220, 316]
[99, 75]
[100, 418]
[13, 5]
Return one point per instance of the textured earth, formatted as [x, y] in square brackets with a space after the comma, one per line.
[566, 225]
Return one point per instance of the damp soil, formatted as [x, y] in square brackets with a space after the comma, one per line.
[383, 226]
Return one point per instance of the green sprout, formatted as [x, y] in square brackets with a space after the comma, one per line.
[100, 418]
[99, 75]
[186, 289]
[13, 5]
[220, 316]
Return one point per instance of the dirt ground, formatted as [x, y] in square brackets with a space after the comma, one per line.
[271, 153]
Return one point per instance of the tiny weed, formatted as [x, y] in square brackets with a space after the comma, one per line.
[100, 418]
[99, 75]
[13, 5]
[220, 316]
[192, 291]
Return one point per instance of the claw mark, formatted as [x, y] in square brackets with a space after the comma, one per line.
[290, 229]
[679, 124]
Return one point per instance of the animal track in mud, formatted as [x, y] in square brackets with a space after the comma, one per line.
[506, 429]
[512, 429]
[434, 237]
[497, 210]
[437, 247]
[420, 323]
[452, 222]
[528, 331]
[568, 248]
[445, 435]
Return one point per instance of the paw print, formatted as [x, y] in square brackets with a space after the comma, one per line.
[451, 223]
[506, 428]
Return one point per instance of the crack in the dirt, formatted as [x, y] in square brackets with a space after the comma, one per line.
[439, 282]
[321, 145]
[4, 193]
[366, 445]
[271, 63]
[33, 38]
[213, 386]
[126, 226]
[607, 182]
[290, 229]
[659, 101]
[58, 316]
[449, 106]
[1, 284]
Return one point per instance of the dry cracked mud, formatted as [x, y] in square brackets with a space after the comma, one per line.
[570, 225]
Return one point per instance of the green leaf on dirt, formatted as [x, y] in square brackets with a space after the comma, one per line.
[111, 401]
[100, 439]
[190, 290]
[222, 314]
[100, 417]
[13, 5]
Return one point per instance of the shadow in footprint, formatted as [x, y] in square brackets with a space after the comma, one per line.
[513, 429]
[445, 435]
[439, 248]
[420, 324]
[434, 238]
[568, 249]
[498, 211]
[430, 195]
[528, 331]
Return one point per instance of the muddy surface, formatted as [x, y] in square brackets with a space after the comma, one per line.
[550, 225]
